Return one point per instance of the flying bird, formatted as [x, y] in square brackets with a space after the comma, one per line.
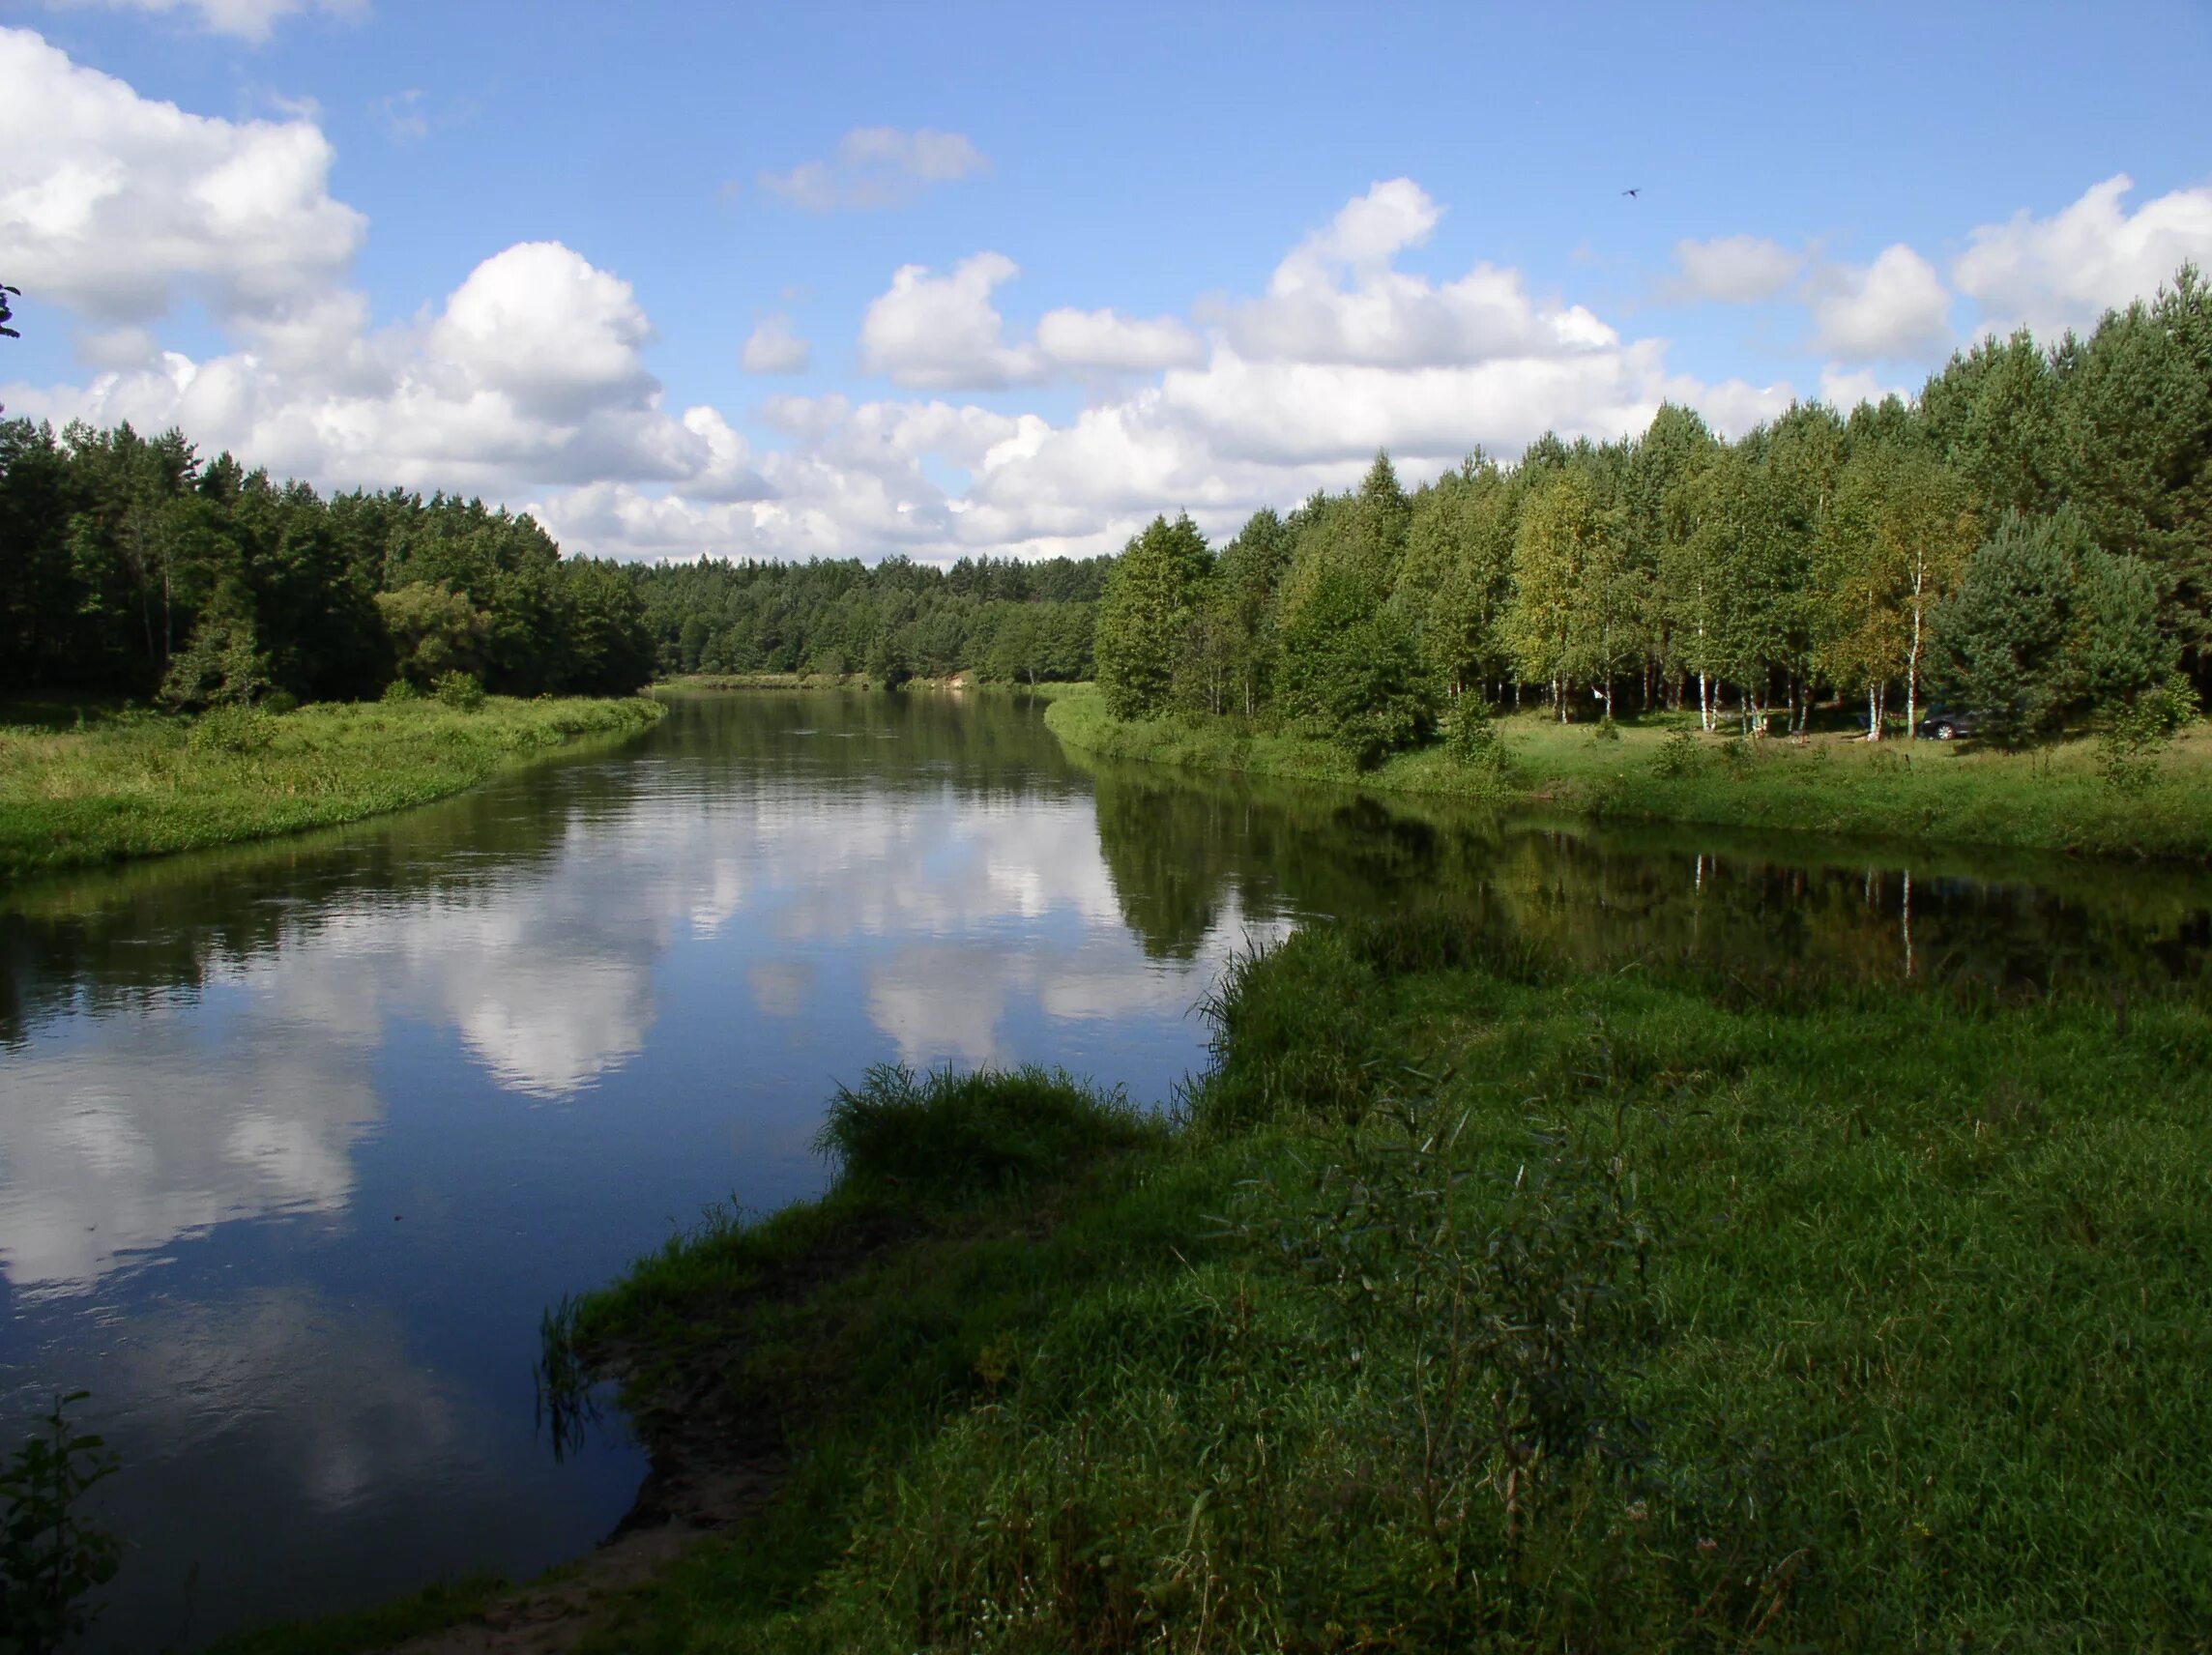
[1636, 191]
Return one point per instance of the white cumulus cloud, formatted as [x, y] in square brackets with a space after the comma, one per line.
[1895, 309]
[939, 332]
[114, 204]
[2067, 269]
[1105, 340]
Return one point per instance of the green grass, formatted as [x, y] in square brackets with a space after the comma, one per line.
[131, 784]
[2054, 799]
[1477, 1301]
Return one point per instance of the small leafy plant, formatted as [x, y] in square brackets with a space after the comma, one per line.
[1678, 756]
[51, 1560]
[459, 690]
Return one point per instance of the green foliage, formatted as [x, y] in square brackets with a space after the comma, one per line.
[232, 730]
[1476, 741]
[399, 691]
[51, 1557]
[1679, 756]
[1152, 595]
[459, 690]
[1351, 674]
[435, 630]
[135, 567]
[2137, 731]
[2004, 637]
[219, 667]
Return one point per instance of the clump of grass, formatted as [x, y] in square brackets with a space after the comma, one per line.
[955, 1133]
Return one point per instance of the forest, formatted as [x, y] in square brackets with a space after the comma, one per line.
[129, 567]
[996, 618]
[2030, 539]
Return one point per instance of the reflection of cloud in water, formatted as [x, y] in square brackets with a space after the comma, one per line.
[351, 1410]
[161, 1133]
[941, 1002]
[164, 1123]
[548, 1027]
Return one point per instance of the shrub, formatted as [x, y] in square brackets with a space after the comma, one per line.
[1678, 756]
[459, 690]
[2138, 731]
[232, 730]
[400, 689]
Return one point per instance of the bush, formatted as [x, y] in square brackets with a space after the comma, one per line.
[232, 730]
[1475, 738]
[400, 689]
[1605, 730]
[280, 702]
[2136, 733]
[459, 690]
[1678, 756]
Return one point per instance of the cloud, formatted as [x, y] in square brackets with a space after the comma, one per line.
[1338, 297]
[877, 166]
[247, 19]
[1104, 339]
[2067, 269]
[775, 347]
[1734, 270]
[115, 205]
[1895, 309]
[942, 331]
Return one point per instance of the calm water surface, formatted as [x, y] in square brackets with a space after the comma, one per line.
[296, 1142]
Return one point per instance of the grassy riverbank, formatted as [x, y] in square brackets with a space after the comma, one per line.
[2054, 799]
[136, 784]
[1478, 1302]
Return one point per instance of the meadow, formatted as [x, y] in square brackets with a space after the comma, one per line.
[106, 783]
[1475, 1300]
[2065, 796]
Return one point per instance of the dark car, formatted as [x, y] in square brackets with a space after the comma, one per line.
[1942, 723]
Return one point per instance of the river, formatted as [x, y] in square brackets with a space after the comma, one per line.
[297, 1140]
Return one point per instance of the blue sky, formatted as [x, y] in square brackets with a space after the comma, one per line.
[1154, 257]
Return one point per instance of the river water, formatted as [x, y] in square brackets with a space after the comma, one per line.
[298, 1140]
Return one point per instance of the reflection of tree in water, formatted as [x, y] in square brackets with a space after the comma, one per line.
[1179, 846]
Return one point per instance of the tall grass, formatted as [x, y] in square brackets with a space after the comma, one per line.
[1475, 1302]
[136, 784]
[2059, 797]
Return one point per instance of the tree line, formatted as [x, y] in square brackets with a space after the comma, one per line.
[996, 617]
[129, 566]
[2032, 538]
